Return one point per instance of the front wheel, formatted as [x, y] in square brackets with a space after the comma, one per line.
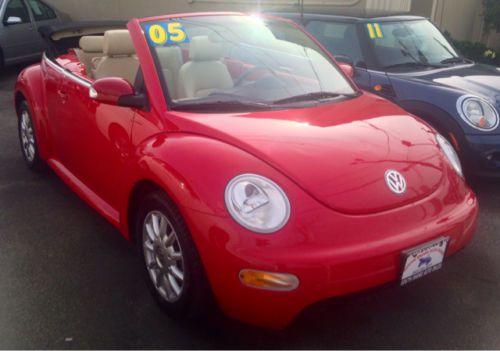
[170, 261]
[27, 138]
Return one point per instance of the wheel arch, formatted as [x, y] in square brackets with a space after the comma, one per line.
[446, 125]
[138, 192]
[437, 117]
[18, 99]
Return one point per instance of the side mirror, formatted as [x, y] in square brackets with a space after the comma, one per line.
[347, 69]
[118, 92]
[11, 20]
[346, 64]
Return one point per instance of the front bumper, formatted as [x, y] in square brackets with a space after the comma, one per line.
[332, 254]
[484, 154]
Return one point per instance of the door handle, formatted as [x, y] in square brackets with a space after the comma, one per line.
[62, 95]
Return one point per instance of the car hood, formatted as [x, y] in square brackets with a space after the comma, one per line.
[476, 79]
[339, 153]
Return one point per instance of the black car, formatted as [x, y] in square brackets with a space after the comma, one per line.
[407, 59]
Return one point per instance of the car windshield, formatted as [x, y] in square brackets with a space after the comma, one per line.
[241, 62]
[410, 45]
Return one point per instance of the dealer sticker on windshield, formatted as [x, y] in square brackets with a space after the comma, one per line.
[424, 259]
[375, 31]
[163, 34]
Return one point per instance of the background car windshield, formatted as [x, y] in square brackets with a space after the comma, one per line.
[410, 42]
[241, 59]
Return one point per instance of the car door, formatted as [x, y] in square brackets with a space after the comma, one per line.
[43, 15]
[94, 141]
[20, 40]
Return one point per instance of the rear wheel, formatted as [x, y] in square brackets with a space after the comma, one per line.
[27, 138]
[170, 261]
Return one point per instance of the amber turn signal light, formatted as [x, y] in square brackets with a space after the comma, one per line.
[268, 280]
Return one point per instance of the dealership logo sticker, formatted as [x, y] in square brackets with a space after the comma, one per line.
[424, 261]
[164, 34]
[395, 181]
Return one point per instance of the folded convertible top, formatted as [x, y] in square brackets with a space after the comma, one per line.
[63, 36]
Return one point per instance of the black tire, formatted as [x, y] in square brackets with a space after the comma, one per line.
[31, 157]
[196, 300]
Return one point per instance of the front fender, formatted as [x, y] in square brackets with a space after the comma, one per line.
[437, 117]
[429, 99]
[195, 170]
[30, 86]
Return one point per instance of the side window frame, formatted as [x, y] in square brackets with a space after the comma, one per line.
[34, 16]
[26, 8]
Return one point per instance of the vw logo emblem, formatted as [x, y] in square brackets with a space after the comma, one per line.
[395, 181]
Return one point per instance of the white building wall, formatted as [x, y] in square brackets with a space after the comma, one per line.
[126, 9]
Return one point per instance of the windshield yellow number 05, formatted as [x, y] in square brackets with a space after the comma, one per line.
[166, 34]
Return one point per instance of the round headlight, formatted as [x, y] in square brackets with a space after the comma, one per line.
[257, 203]
[477, 113]
[450, 153]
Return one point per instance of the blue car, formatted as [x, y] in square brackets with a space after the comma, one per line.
[406, 59]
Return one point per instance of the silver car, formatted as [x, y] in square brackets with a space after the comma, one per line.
[19, 23]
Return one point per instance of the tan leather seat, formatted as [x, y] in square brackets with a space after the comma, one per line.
[171, 62]
[119, 57]
[205, 72]
[91, 47]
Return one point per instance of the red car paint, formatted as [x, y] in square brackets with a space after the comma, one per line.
[346, 231]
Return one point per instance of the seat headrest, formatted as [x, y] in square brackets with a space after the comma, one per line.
[169, 55]
[202, 49]
[118, 43]
[92, 43]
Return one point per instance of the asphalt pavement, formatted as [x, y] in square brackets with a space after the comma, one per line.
[69, 281]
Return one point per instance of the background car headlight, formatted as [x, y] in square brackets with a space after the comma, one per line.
[478, 113]
[450, 153]
[257, 203]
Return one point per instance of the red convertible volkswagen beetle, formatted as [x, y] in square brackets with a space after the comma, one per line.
[245, 164]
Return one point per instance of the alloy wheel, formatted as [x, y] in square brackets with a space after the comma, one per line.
[28, 137]
[163, 256]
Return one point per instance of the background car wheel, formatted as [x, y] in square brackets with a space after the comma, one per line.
[27, 138]
[170, 261]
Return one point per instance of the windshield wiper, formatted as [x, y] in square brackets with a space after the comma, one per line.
[410, 64]
[221, 105]
[453, 60]
[319, 95]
